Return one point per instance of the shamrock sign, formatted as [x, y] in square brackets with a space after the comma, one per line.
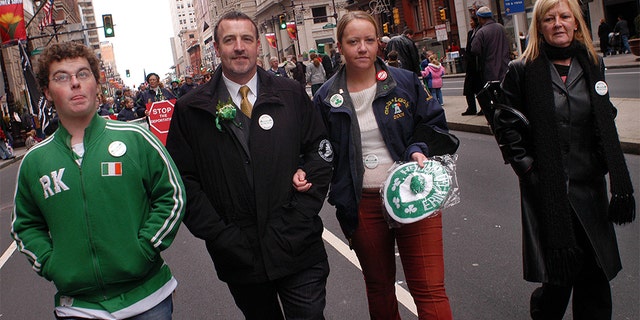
[411, 193]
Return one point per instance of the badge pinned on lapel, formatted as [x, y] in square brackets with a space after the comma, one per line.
[381, 75]
[601, 88]
[265, 121]
[336, 100]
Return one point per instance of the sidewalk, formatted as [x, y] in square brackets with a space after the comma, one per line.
[627, 120]
[611, 62]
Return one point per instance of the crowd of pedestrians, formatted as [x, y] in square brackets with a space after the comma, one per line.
[250, 158]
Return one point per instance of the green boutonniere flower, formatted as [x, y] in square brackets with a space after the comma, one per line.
[226, 111]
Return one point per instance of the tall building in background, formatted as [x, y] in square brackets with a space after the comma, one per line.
[205, 11]
[107, 54]
[109, 76]
[88, 19]
[185, 34]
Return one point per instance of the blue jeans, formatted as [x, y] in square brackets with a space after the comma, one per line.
[4, 151]
[437, 93]
[162, 311]
[625, 43]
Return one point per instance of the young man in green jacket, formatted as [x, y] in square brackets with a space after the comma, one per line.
[96, 202]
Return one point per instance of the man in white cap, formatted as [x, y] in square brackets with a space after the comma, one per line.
[187, 85]
[491, 45]
[382, 47]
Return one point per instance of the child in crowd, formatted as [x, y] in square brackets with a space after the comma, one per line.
[393, 59]
[31, 139]
[5, 149]
[433, 73]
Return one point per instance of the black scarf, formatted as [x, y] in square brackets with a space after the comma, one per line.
[558, 237]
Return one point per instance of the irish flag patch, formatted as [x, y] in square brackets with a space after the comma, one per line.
[111, 169]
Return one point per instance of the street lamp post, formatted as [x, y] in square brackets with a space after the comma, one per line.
[295, 18]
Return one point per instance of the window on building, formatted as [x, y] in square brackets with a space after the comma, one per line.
[430, 13]
[320, 13]
[417, 16]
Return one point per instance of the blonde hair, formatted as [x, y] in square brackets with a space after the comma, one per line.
[581, 35]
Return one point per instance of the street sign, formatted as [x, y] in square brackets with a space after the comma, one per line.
[513, 6]
[329, 26]
[160, 113]
[37, 50]
[441, 32]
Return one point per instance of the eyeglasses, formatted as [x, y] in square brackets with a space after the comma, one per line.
[63, 77]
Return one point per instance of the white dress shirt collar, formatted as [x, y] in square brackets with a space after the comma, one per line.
[234, 89]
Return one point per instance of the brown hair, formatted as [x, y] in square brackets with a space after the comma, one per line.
[353, 15]
[233, 15]
[62, 51]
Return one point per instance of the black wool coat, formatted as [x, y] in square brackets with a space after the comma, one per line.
[240, 198]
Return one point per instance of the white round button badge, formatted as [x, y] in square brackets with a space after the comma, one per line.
[336, 100]
[601, 88]
[265, 121]
[117, 148]
[371, 161]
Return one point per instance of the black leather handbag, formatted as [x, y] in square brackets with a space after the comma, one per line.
[440, 142]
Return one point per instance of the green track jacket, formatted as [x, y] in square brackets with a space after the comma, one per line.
[96, 229]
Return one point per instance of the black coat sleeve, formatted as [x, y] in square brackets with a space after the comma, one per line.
[509, 130]
[317, 157]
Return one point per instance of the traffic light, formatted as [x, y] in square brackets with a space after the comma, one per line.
[385, 27]
[107, 23]
[443, 14]
[396, 16]
[283, 21]
[128, 73]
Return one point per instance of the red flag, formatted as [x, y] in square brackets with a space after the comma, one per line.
[292, 30]
[12, 22]
[271, 38]
[48, 14]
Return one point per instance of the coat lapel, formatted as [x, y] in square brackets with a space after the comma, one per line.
[221, 93]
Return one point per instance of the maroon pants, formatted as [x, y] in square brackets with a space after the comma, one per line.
[421, 253]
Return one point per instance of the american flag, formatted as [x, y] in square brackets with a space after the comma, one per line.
[48, 14]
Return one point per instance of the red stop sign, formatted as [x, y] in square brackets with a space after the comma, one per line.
[160, 113]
